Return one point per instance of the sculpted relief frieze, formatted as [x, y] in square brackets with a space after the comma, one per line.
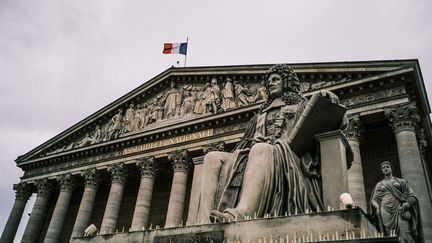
[142, 148]
[373, 96]
[182, 99]
[178, 101]
[309, 85]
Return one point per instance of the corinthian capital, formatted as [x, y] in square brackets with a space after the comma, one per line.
[22, 191]
[181, 161]
[147, 166]
[403, 117]
[67, 182]
[91, 177]
[219, 146]
[118, 173]
[353, 130]
[44, 187]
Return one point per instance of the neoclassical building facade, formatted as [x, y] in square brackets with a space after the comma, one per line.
[136, 164]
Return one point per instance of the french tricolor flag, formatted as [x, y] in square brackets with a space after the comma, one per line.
[175, 48]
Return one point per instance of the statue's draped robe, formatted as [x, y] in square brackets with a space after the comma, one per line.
[390, 195]
[172, 101]
[291, 182]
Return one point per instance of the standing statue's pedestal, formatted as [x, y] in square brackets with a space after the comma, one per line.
[334, 153]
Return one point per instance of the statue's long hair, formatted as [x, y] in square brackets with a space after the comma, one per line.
[291, 85]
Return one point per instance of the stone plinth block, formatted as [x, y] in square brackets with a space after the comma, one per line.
[334, 174]
[352, 223]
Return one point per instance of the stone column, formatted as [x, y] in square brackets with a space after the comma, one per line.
[22, 194]
[148, 169]
[355, 174]
[118, 178]
[403, 120]
[60, 209]
[91, 183]
[181, 162]
[32, 230]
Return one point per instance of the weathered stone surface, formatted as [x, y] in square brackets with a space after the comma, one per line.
[67, 184]
[23, 193]
[182, 163]
[91, 182]
[356, 185]
[118, 176]
[333, 146]
[301, 226]
[34, 224]
[148, 170]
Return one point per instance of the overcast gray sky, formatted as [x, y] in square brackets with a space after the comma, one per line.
[60, 61]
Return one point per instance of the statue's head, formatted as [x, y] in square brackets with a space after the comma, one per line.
[386, 168]
[213, 82]
[281, 79]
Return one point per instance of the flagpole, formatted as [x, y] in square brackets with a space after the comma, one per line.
[187, 40]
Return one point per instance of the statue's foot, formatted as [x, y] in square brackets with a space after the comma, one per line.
[216, 216]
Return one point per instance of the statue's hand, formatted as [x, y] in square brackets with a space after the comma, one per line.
[331, 96]
[260, 139]
[404, 207]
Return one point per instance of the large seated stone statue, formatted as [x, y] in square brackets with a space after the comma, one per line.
[263, 175]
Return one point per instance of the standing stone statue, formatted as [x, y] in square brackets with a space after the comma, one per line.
[263, 175]
[188, 104]
[129, 119]
[228, 101]
[262, 92]
[199, 101]
[395, 206]
[97, 136]
[137, 122]
[172, 102]
[243, 95]
[143, 116]
[115, 126]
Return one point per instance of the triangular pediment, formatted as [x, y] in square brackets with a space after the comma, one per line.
[182, 94]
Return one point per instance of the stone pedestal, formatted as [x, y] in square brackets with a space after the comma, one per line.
[181, 164]
[37, 215]
[147, 168]
[355, 173]
[348, 226]
[118, 177]
[333, 147]
[91, 181]
[403, 121]
[22, 195]
[60, 210]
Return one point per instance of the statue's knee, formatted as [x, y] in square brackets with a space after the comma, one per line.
[261, 148]
[213, 159]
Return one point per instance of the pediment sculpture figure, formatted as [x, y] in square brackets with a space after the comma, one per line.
[114, 127]
[228, 101]
[395, 207]
[188, 104]
[244, 95]
[263, 175]
[172, 102]
[128, 119]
